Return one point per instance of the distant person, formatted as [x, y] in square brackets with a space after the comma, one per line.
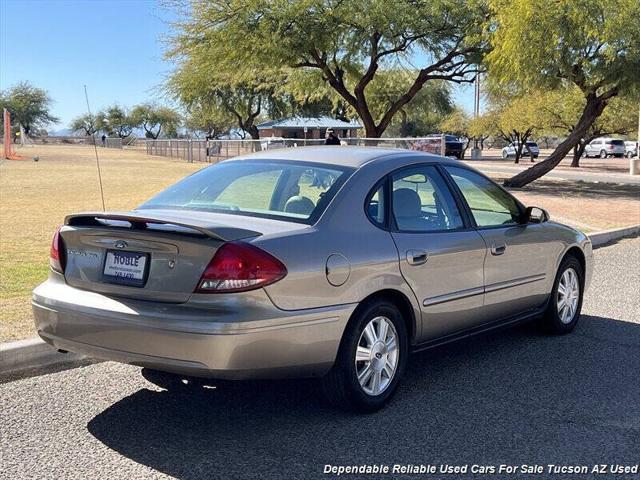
[332, 138]
[104, 140]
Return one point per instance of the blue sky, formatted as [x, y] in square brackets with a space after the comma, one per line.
[114, 47]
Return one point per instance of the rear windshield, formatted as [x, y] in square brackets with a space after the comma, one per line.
[532, 144]
[292, 191]
[616, 142]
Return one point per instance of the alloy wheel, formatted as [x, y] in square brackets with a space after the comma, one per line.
[377, 356]
[568, 295]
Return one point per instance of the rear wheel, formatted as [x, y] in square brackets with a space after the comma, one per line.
[371, 360]
[603, 154]
[505, 154]
[565, 303]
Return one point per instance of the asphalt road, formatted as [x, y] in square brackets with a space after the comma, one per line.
[509, 397]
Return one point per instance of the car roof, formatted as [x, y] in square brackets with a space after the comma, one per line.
[341, 155]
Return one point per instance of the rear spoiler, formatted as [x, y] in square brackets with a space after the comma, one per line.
[140, 221]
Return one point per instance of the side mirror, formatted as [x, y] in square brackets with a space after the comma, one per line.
[535, 215]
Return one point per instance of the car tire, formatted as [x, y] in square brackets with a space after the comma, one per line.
[505, 154]
[167, 381]
[365, 385]
[563, 312]
[603, 154]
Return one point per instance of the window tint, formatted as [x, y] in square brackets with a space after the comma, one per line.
[292, 191]
[617, 142]
[422, 201]
[490, 205]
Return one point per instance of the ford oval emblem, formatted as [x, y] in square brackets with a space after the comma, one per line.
[121, 244]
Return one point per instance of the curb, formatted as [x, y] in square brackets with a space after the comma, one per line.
[34, 353]
[599, 239]
[31, 353]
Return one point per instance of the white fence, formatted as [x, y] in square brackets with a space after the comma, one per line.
[194, 150]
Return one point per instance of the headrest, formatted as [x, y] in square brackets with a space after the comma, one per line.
[300, 205]
[406, 203]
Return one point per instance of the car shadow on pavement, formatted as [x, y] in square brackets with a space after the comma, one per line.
[511, 397]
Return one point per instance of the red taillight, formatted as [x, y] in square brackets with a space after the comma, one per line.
[238, 267]
[56, 254]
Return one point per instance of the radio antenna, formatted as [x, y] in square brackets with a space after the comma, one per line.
[95, 148]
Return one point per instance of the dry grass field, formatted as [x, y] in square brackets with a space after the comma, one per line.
[35, 197]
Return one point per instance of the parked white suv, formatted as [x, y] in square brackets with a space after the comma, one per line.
[605, 147]
[630, 149]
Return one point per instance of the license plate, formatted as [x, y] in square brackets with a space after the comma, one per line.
[126, 268]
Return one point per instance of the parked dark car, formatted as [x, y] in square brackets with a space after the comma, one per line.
[453, 146]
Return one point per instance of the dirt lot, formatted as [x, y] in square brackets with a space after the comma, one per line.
[35, 197]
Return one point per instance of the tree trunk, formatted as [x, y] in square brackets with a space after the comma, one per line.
[578, 150]
[518, 151]
[592, 110]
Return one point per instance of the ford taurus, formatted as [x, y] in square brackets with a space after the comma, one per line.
[329, 262]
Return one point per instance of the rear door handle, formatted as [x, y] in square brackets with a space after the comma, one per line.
[417, 257]
[498, 249]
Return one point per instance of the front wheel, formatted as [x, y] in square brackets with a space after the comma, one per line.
[505, 154]
[565, 304]
[371, 359]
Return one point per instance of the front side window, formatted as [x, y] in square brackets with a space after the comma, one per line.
[274, 189]
[422, 201]
[490, 205]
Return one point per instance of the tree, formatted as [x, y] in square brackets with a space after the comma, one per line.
[515, 120]
[593, 45]
[115, 120]
[153, 118]
[348, 42]
[210, 120]
[419, 117]
[85, 123]
[29, 106]
[562, 110]
[200, 84]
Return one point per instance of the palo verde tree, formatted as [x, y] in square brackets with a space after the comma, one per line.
[561, 110]
[515, 120]
[348, 42]
[115, 120]
[419, 117]
[200, 84]
[209, 120]
[155, 119]
[29, 106]
[593, 45]
[84, 123]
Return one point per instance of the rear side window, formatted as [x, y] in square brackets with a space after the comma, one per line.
[490, 205]
[422, 202]
[617, 142]
[376, 206]
[293, 191]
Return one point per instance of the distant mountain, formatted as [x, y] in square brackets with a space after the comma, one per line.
[65, 132]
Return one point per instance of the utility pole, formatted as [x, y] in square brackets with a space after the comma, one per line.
[476, 153]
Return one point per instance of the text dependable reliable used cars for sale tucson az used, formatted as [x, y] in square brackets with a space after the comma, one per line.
[329, 262]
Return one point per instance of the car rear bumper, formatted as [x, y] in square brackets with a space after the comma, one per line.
[188, 338]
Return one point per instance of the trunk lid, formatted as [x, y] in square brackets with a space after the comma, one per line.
[150, 254]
